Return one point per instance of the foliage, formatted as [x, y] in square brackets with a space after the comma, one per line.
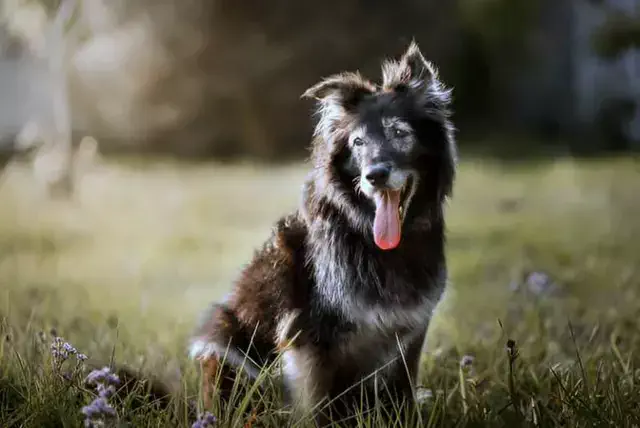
[619, 33]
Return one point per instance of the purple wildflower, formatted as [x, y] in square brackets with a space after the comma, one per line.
[204, 421]
[61, 351]
[99, 409]
[466, 361]
[539, 283]
[69, 349]
[58, 351]
[102, 376]
[466, 365]
[105, 391]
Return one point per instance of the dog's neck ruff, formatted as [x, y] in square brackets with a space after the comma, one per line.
[350, 275]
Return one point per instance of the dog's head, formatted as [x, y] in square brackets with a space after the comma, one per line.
[388, 150]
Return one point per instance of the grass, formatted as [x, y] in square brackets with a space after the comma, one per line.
[544, 254]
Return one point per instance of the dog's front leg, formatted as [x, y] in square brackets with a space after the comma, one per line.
[307, 380]
[401, 384]
[411, 365]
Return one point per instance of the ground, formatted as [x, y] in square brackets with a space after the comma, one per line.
[545, 254]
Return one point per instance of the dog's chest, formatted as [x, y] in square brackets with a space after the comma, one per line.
[365, 351]
[370, 292]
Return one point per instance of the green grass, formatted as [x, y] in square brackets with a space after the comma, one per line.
[123, 271]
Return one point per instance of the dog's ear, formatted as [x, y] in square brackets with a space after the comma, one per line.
[344, 89]
[337, 96]
[412, 71]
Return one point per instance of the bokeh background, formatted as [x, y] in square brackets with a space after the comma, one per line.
[219, 78]
[179, 131]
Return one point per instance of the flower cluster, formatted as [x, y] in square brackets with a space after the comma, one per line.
[61, 351]
[206, 420]
[100, 409]
[103, 377]
[97, 411]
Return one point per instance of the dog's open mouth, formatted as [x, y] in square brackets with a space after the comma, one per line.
[391, 207]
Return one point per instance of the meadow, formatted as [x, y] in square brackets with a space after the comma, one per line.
[543, 256]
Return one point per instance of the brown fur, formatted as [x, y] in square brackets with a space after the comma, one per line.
[319, 293]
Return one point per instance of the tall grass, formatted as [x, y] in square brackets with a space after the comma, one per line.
[538, 328]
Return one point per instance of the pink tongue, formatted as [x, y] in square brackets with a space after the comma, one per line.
[386, 225]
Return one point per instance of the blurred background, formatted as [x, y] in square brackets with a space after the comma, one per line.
[218, 78]
[176, 133]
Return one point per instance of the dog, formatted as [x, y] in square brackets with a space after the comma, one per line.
[342, 292]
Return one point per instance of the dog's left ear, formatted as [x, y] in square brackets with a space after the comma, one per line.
[412, 70]
[345, 89]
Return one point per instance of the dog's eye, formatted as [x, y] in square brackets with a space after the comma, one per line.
[358, 141]
[400, 133]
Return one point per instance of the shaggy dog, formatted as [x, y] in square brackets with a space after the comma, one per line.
[343, 291]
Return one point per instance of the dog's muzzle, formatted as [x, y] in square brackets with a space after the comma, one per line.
[391, 190]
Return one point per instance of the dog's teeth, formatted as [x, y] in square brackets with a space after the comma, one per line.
[400, 210]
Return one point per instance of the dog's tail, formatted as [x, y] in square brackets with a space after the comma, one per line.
[225, 348]
[222, 336]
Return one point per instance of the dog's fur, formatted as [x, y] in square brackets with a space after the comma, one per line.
[320, 293]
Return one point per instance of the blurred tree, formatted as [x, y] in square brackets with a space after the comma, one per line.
[619, 33]
[223, 78]
[495, 49]
[47, 25]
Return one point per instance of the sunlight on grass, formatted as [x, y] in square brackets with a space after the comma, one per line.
[126, 268]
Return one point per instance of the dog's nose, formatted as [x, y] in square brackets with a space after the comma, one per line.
[378, 175]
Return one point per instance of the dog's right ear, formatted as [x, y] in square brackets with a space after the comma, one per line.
[412, 70]
[345, 89]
